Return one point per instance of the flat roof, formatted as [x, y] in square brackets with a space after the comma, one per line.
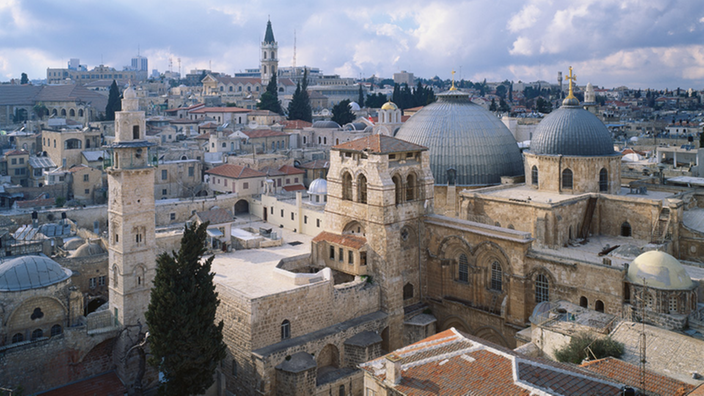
[526, 193]
[251, 271]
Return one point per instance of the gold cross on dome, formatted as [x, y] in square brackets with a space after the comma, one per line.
[452, 88]
[572, 79]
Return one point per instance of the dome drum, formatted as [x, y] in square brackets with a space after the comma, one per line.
[589, 174]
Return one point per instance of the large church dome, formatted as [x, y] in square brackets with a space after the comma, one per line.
[571, 130]
[464, 137]
[659, 270]
[31, 272]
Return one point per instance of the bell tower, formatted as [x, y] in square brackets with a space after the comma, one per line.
[269, 55]
[131, 221]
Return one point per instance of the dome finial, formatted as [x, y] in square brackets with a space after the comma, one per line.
[571, 99]
[452, 88]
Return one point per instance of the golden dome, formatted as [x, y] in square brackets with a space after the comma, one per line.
[389, 106]
[659, 270]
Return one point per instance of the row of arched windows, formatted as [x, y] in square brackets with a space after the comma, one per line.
[37, 334]
[568, 178]
[598, 305]
[405, 193]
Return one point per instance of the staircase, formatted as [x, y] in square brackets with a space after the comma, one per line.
[587, 221]
[661, 226]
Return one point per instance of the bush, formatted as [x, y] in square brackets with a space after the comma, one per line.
[576, 351]
[60, 201]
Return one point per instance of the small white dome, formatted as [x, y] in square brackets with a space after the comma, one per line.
[659, 270]
[354, 106]
[318, 187]
[129, 93]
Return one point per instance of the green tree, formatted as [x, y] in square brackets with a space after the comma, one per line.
[24, 79]
[543, 106]
[186, 344]
[360, 98]
[270, 99]
[492, 106]
[40, 110]
[341, 113]
[584, 345]
[501, 91]
[299, 107]
[503, 106]
[114, 103]
[376, 100]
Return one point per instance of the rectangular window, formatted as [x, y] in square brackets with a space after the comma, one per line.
[21, 161]
[14, 161]
[272, 210]
[341, 256]
[164, 174]
[191, 171]
[92, 282]
[86, 178]
[288, 181]
[305, 219]
[138, 238]
[225, 182]
[350, 257]
[245, 186]
[282, 213]
[278, 182]
[295, 180]
[163, 191]
[291, 215]
[362, 258]
[332, 252]
[86, 191]
[101, 280]
[172, 216]
[317, 223]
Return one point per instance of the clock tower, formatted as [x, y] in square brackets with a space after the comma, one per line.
[131, 221]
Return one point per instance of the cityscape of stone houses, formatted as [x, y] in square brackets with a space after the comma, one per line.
[449, 248]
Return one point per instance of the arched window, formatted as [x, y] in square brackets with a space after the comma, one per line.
[361, 189]
[411, 187]
[599, 306]
[56, 330]
[567, 179]
[463, 269]
[408, 291]
[53, 112]
[72, 113]
[583, 302]
[80, 112]
[603, 180]
[37, 334]
[398, 189]
[63, 112]
[273, 56]
[542, 288]
[626, 229]
[264, 58]
[17, 338]
[496, 275]
[534, 175]
[285, 330]
[135, 132]
[347, 186]
[451, 176]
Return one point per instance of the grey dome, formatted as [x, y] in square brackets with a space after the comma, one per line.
[571, 130]
[88, 249]
[463, 136]
[31, 272]
[318, 186]
[326, 124]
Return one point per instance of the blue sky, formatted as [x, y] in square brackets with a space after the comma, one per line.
[637, 43]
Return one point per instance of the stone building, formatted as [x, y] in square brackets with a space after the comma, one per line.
[65, 146]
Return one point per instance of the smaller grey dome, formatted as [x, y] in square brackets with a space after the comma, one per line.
[326, 124]
[355, 126]
[88, 249]
[31, 272]
[571, 130]
[318, 187]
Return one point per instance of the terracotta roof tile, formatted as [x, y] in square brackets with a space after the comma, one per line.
[291, 170]
[350, 241]
[107, 384]
[380, 144]
[203, 136]
[295, 187]
[629, 374]
[257, 133]
[235, 171]
[16, 152]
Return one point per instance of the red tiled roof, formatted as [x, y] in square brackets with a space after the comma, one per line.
[204, 110]
[380, 144]
[629, 374]
[350, 241]
[107, 384]
[291, 170]
[698, 392]
[295, 187]
[17, 152]
[451, 363]
[235, 171]
[258, 133]
[36, 203]
[295, 124]
[203, 136]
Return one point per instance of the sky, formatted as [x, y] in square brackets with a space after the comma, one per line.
[637, 43]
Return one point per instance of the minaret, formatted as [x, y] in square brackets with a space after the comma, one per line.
[269, 61]
[131, 223]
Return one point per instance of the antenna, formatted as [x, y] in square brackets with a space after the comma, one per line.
[642, 346]
[179, 67]
[294, 50]
[171, 65]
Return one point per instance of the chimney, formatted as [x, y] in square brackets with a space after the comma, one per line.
[393, 369]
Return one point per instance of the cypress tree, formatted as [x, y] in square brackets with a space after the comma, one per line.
[270, 99]
[114, 103]
[341, 113]
[186, 344]
[299, 107]
[360, 98]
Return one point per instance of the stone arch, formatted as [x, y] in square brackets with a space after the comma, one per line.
[603, 180]
[329, 356]
[408, 291]
[71, 144]
[456, 322]
[398, 189]
[346, 186]
[532, 276]
[72, 113]
[567, 179]
[599, 306]
[491, 334]
[80, 112]
[241, 207]
[412, 187]
[354, 227]
[452, 245]
[52, 311]
[583, 302]
[140, 276]
[362, 188]
[63, 112]
[534, 175]
[487, 250]
[626, 229]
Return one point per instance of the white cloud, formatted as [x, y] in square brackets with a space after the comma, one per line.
[525, 18]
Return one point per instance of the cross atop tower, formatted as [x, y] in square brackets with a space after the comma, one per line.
[572, 78]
